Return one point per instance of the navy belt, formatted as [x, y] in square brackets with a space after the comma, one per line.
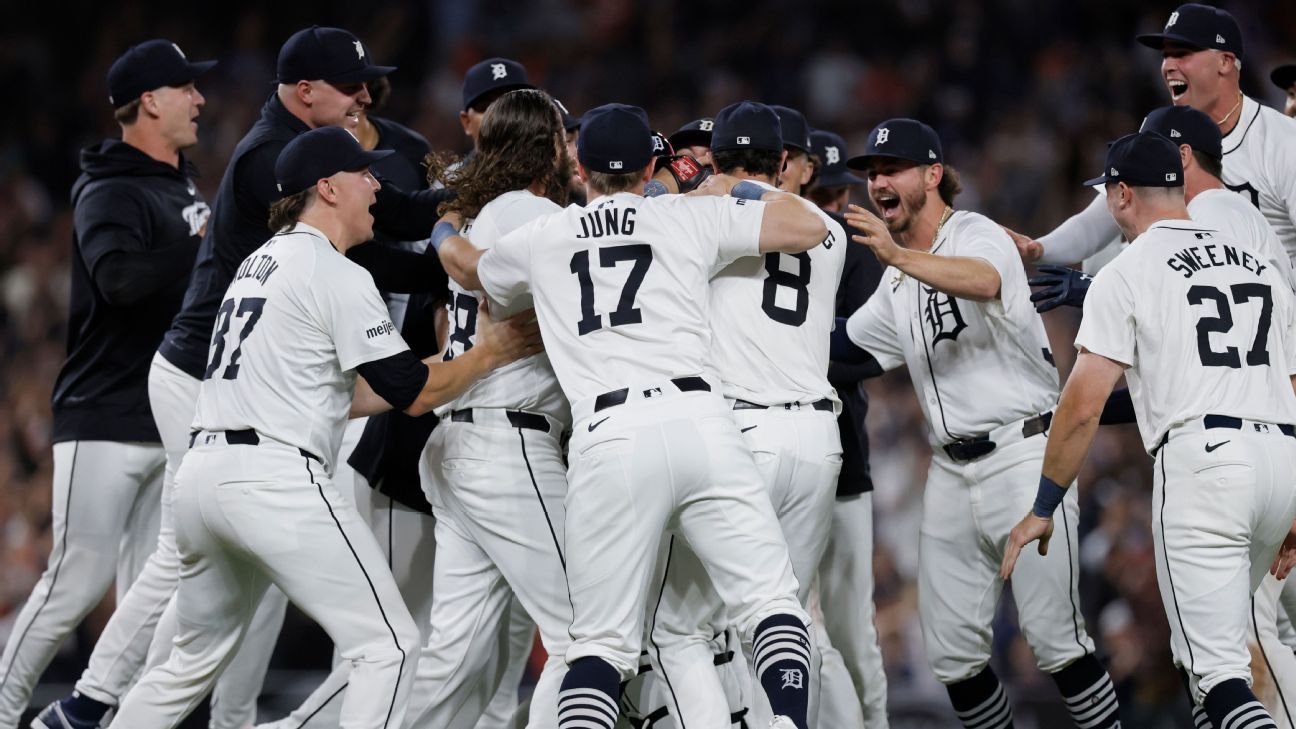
[618, 397]
[1232, 423]
[968, 449]
[823, 404]
[516, 418]
[246, 436]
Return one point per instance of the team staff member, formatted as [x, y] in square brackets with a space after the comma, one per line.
[137, 220]
[1225, 448]
[846, 571]
[262, 424]
[1201, 60]
[634, 373]
[955, 308]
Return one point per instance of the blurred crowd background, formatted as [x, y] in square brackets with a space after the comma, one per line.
[1023, 92]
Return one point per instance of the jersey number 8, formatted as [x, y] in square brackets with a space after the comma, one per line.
[799, 282]
[249, 310]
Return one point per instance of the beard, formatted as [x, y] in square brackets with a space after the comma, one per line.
[911, 204]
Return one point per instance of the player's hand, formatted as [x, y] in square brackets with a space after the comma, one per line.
[1063, 287]
[1027, 530]
[509, 339]
[452, 218]
[1286, 557]
[717, 185]
[873, 233]
[1029, 249]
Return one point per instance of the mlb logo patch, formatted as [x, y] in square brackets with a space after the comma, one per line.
[1172, 176]
[744, 140]
[615, 164]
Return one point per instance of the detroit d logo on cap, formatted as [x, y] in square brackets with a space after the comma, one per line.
[832, 155]
[359, 49]
[1173, 18]
[498, 71]
[883, 135]
[705, 125]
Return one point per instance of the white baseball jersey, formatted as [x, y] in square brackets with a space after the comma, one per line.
[975, 365]
[1205, 325]
[620, 284]
[771, 319]
[297, 319]
[1260, 163]
[527, 384]
[1241, 222]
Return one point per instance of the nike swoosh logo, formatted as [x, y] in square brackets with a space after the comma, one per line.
[592, 426]
[1212, 446]
[744, 430]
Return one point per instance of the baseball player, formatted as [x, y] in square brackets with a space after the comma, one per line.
[845, 585]
[620, 293]
[694, 139]
[380, 454]
[255, 504]
[485, 82]
[770, 321]
[1284, 77]
[798, 169]
[494, 466]
[1187, 304]
[322, 73]
[954, 307]
[1202, 50]
[137, 219]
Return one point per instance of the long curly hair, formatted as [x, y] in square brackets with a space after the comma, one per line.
[521, 141]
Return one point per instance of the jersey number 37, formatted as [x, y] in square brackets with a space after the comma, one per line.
[247, 311]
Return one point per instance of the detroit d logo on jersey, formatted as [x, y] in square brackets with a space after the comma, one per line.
[943, 316]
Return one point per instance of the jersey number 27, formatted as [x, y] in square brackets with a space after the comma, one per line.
[249, 311]
[1222, 322]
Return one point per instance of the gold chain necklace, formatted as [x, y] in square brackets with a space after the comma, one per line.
[945, 216]
[1223, 121]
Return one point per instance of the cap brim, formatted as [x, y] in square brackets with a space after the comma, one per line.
[839, 179]
[690, 138]
[1158, 40]
[367, 159]
[860, 161]
[495, 89]
[1283, 76]
[361, 75]
[198, 68]
[1099, 180]
[570, 122]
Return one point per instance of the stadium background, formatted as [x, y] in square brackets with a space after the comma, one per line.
[1023, 93]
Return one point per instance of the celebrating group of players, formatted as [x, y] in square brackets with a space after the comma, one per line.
[634, 422]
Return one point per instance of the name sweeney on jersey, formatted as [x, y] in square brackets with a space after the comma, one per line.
[1189, 260]
[259, 267]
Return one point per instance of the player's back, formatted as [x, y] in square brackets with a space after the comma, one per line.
[771, 318]
[620, 286]
[1214, 328]
[1240, 221]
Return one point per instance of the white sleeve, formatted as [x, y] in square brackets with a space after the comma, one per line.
[872, 327]
[1107, 327]
[735, 226]
[1289, 333]
[522, 211]
[354, 315]
[505, 269]
[1082, 235]
[1282, 166]
[991, 244]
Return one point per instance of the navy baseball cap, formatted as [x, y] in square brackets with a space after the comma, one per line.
[696, 133]
[615, 139]
[331, 54]
[320, 153]
[1284, 77]
[569, 122]
[493, 74]
[150, 65]
[1199, 26]
[747, 125]
[1145, 159]
[831, 151]
[1186, 125]
[796, 132]
[907, 139]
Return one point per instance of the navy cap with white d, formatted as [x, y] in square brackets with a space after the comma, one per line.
[1145, 159]
[796, 132]
[320, 153]
[906, 139]
[1186, 125]
[831, 151]
[696, 133]
[1198, 26]
[493, 74]
[150, 65]
[615, 139]
[330, 54]
[747, 125]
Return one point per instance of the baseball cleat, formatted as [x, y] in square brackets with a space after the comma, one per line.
[54, 717]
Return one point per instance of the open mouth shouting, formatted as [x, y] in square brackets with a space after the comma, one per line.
[888, 203]
[1178, 88]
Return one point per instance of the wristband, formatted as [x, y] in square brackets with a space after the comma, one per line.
[441, 232]
[747, 190]
[1047, 497]
[655, 188]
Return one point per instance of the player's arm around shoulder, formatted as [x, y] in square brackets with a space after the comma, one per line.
[787, 224]
[458, 255]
